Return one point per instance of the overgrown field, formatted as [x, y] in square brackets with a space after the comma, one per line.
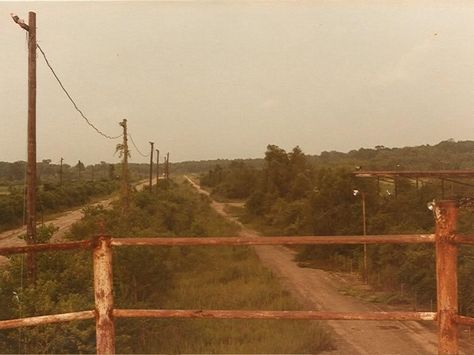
[166, 278]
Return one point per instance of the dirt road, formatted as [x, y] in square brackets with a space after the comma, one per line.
[63, 223]
[318, 289]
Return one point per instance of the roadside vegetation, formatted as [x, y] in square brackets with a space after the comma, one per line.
[51, 198]
[162, 277]
[296, 194]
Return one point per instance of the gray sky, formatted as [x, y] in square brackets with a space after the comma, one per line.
[209, 80]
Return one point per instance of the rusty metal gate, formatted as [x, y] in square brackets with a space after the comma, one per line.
[446, 244]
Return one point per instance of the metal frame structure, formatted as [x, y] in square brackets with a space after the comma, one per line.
[392, 176]
[445, 240]
[440, 174]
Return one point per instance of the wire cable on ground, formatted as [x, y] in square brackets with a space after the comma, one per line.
[136, 148]
[71, 99]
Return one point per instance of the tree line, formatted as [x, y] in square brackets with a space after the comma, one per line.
[297, 194]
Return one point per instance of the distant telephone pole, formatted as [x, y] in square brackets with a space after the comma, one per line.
[125, 185]
[157, 167]
[167, 168]
[61, 173]
[151, 165]
[31, 165]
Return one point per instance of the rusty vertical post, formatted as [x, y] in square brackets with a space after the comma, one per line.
[151, 166]
[446, 277]
[103, 294]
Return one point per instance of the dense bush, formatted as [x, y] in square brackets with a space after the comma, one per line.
[295, 194]
[52, 199]
[163, 278]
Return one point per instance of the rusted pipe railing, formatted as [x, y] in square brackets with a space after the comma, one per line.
[294, 240]
[48, 319]
[192, 241]
[82, 244]
[446, 257]
[464, 320]
[464, 239]
[244, 314]
[446, 277]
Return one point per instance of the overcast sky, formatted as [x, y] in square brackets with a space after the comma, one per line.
[209, 80]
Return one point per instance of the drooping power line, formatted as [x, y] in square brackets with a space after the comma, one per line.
[72, 100]
[136, 148]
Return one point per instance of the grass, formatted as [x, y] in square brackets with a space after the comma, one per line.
[220, 278]
[230, 278]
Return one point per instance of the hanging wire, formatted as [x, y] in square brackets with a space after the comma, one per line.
[138, 150]
[71, 99]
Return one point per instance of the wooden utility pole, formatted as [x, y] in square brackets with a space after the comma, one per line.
[31, 165]
[125, 185]
[151, 165]
[31, 169]
[167, 166]
[61, 173]
[157, 167]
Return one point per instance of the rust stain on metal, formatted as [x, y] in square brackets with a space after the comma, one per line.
[83, 244]
[446, 277]
[287, 240]
[465, 320]
[464, 239]
[103, 293]
[445, 241]
[249, 314]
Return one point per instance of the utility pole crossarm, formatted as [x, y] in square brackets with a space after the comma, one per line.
[20, 22]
